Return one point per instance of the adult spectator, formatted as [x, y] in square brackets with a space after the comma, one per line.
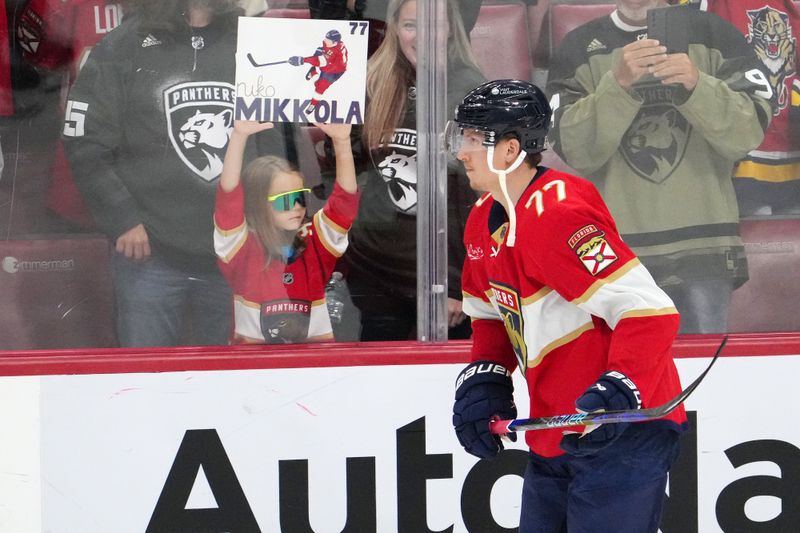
[147, 124]
[381, 260]
[658, 131]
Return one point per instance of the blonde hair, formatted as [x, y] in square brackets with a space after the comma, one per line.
[256, 181]
[389, 73]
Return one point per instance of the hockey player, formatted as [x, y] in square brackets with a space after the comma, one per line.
[551, 288]
[330, 61]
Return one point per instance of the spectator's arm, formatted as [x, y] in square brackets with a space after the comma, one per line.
[733, 94]
[93, 135]
[733, 122]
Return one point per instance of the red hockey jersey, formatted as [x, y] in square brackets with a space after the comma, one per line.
[772, 27]
[333, 59]
[282, 302]
[58, 35]
[568, 302]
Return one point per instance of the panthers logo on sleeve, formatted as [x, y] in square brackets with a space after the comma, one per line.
[771, 34]
[199, 122]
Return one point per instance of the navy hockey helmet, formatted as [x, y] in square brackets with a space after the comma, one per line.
[333, 35]
[500, 107]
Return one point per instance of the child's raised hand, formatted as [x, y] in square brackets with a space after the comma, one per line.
[249, 127]
[337, 132]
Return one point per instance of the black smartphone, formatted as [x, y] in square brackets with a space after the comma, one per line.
[670, 26]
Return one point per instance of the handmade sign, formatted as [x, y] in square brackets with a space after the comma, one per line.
[300, 70]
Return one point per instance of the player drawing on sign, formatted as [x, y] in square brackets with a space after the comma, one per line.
[551, 288]
[329, 62]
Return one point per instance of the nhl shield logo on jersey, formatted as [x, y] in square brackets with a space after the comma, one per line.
[593, 250]
[199, 122]
[510, 307]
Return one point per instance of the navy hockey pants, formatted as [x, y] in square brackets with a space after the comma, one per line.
[619, 490]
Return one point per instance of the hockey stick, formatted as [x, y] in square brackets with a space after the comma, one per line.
[501, 427]
[255, 64]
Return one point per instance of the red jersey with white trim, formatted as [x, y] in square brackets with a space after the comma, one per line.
[58, 35]
[281, 302]
[333, 59]
[567, 302]
[772, 28]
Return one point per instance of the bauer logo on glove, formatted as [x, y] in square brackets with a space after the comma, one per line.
[484, 392]
[613, 391]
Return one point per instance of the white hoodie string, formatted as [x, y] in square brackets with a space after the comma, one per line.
[512, 215]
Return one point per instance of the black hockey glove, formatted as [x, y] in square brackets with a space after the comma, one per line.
[296, 61]
[484, 391]
[613, 392]
[311, 73]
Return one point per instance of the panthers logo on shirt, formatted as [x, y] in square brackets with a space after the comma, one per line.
[399, 170]
[199, 122]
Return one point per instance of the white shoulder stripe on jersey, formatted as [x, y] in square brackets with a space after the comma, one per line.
[228, 242]
[477, 308]
[332, 236]
[550, 321]
[629, 292]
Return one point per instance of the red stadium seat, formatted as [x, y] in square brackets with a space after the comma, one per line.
[288, 13]
[56, 294]
[769, 300]
[565, 17]
[500, 41]
[537, 15]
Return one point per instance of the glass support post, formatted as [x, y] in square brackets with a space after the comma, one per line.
[432, 30]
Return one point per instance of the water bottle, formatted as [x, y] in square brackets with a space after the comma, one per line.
[334, 296]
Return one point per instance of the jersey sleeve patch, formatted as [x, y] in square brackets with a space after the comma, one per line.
[592, 249]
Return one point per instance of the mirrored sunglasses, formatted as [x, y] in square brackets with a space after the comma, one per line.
[285, 201]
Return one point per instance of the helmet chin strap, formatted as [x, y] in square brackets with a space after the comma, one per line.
[501, 174]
